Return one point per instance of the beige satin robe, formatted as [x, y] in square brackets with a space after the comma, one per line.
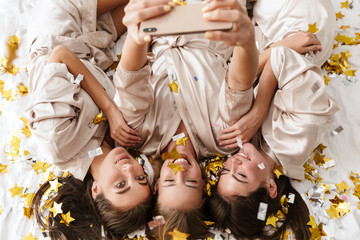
[203, 102]
[301, 109]
[60, 111]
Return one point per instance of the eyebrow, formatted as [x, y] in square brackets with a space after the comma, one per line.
[237, 179]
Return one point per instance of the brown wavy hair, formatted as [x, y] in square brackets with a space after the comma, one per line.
[91, 215]
[239, 213]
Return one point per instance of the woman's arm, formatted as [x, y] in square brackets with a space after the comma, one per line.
[301, 42]
[120, 131]
[243, 66]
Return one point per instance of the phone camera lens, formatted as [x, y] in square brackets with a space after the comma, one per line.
[150, 29]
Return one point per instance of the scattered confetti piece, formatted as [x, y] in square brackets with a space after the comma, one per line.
[56, 209]
[175, 167]
[16, 190]
[3, 168]
[261, 215]
[40, 167]
[312, 28]
[28, 197]
[54, 185]
[66, 218]
[156, 222]
[277, 171]
[174, 87]
[337, 130]
[173, 154]
[271, 220]
[182, 3]
[178, 136]
[95, 152]
[98, 119]
[345, 4]
[27, 212]
[339, 15]
[181, 141]
[29, 237]
[261, 166]
[342, 187]
[177, 235]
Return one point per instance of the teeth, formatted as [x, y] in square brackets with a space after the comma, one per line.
[182, 160]
[242, 154]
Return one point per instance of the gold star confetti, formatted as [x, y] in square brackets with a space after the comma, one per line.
[319, 159]
[350, 72]
[326, 80]
[66, 218]
[336, 200]
[175, 167]
[355, 177]
[174, 87]
[312, 28]
[25, 130]
[209, 223]
[3, 168]
[317, 233]
[181, 141]
[271, 220]
[27, 212]
[56, 209]
[16, 190]
[29, 237]
[342, 187]
[312, 222]
[8, 95]
[345, 4]
[339, 15]
[357, 191]
[28, 197]
[98, 119]
[54, 185]
[333, 212]
[22, 89]
[344, 27]
[343, 208]
[115, 64]
[177, 235]
[40, 167]
[320, 148]
[173, 154]
[1, 209]
[277, 171]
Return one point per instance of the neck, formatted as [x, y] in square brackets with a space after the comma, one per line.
[98, 160]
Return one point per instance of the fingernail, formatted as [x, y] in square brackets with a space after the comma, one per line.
[205, 9]
[147, 38]
[167, 8]
[171, 4]
[206, 15]
[208, 35]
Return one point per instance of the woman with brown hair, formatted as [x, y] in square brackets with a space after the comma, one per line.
[180, 98]
[288, 119]
[108, 193]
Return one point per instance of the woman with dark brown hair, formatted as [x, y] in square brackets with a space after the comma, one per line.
[108, 193]
[288, 119]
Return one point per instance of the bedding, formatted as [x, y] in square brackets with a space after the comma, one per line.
[332, 186]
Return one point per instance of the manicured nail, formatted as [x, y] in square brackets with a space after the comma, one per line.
[147, 38]
[205, 9]
[167, 8]
[171, 4]
[206, 15]
[208, 35]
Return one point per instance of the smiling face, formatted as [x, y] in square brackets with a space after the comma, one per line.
[121, 179]
[242, 175]
[183, 190]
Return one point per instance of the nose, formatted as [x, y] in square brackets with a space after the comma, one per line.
[236, 161]
[128, 168]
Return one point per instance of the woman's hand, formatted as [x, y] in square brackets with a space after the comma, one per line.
[137, 11]
[119, 130]
[301, 42]
[229, 11]
[244, 129]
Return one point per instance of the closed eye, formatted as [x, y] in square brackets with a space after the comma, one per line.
[223, 171]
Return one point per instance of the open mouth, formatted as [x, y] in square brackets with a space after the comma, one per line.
[121, 159]
[244, 155]
[183, 160]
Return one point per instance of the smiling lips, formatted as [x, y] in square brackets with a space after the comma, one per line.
[123, 159]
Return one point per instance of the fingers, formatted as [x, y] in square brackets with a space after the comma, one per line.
[217, 4]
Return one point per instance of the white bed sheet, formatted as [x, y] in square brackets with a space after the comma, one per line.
[344, 147]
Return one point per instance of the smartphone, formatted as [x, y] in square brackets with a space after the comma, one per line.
[181, 20]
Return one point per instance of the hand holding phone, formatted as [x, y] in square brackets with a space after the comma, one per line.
[181, 20]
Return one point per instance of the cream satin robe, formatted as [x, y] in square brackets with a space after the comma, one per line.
[60, 110]
[203, 102]
[301, 109]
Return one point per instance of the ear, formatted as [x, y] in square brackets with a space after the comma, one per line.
[272, 188]
[94, 190]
